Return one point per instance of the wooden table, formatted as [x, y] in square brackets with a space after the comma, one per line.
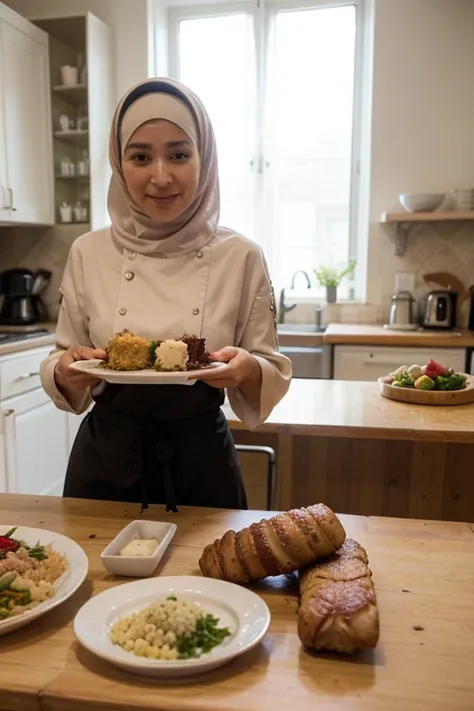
[423, 573]
[343, 443]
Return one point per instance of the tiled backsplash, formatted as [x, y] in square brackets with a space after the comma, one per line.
[39, 248]
[436, 247]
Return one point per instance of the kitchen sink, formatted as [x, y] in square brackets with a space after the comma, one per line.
[300, 328]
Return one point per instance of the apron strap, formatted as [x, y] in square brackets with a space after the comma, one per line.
[164, 454]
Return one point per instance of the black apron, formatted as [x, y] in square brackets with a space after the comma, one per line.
[163, 445]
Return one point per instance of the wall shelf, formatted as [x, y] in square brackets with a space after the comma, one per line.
[73, 136]
[72, 177]
[404, 222]
[447, 216]
[76, 94]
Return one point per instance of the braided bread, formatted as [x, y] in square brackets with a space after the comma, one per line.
[274, 546]
[338, 610]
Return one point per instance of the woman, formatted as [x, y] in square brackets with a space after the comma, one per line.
[164, 268]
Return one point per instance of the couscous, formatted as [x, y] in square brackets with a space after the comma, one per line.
[27, 574]
[169, 629]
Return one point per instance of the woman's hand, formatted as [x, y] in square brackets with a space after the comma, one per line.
[68, 379]
[242, 369]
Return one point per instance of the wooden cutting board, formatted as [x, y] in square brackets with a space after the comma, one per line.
[444, 280]
[429, 397]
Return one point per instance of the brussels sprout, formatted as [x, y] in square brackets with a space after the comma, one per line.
[400, 372]
[415, 372]
[424, 383]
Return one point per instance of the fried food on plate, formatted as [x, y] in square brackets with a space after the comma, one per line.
[125, 351]
[128, 352]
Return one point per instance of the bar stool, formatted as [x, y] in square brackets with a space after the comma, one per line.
[271, 468]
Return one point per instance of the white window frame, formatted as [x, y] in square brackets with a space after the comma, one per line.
[194, 9]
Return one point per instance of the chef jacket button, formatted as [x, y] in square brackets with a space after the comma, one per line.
[199, 254]
[129, 276]
[132, 255]
[195, 312]
[122, 312]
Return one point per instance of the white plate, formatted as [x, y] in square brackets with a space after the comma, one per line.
[137, 566]
[244, 612]
[67, 584]
[139, 377]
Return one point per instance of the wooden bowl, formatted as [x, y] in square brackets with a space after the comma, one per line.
[429, 397]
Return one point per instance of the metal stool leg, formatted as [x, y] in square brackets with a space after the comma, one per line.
[271, 469]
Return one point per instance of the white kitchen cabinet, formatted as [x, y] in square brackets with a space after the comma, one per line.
[26, 175]
[33, 432]
[92, 101]
[3, 469]
[370, 363]
[36, 444]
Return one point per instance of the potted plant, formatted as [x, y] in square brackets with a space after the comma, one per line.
[331, 278]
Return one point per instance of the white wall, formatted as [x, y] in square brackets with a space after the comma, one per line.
[127, 18]
[422, 132]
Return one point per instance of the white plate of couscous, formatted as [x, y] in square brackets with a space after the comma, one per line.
[39, 570]
[172, 626]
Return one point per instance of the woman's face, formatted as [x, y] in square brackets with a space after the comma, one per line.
[161, 169]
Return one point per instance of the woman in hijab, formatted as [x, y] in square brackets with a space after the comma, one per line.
[164, 268]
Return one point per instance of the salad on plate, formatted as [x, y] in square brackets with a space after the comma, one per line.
[432, 376]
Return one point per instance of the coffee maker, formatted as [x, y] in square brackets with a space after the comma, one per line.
[21, 289]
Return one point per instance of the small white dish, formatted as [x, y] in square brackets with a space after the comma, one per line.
[137, 566]
[140, 377]
[241, 610]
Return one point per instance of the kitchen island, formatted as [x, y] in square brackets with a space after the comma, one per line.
[425, 594]
[341, 442]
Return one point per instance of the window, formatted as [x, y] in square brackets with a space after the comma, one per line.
[278, 81]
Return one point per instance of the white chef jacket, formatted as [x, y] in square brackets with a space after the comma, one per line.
[221, 292]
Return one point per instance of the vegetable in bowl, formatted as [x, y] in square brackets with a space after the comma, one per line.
[433, 376]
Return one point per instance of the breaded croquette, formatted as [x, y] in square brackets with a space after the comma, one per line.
[128, 352]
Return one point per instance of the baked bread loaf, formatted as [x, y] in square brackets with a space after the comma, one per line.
[338, 609]
[274, 546]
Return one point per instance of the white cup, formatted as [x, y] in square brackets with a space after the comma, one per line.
[68, 75]
[65, 211]
[64, 122]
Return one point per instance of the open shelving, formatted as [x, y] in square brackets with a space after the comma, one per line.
[404, 222]
[75, 94]
[81, 40]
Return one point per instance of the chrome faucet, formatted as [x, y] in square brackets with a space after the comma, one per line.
[282, 307]
[301, 271]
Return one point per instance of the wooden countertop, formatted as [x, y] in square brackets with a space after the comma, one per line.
[337, 408]
[422, 663]
[358, 334]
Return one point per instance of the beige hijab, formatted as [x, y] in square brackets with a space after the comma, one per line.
[190, 231]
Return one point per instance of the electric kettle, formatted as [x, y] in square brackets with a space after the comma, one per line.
[402, 311]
